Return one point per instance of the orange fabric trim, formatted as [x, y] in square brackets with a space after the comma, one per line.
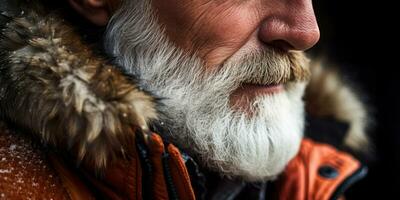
[156, 150]
[134, 179]
[301, 180]
[180, 175]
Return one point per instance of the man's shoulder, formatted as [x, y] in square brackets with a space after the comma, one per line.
[25, 171]
[28, 170]
[319, 171]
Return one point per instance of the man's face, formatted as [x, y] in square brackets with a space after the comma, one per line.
[230, 73]
[218, 30]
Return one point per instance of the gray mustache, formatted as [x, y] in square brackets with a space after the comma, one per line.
[273, 67]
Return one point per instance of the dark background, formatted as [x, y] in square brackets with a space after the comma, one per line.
[360, 37]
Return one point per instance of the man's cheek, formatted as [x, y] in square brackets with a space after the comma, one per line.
[224, 37]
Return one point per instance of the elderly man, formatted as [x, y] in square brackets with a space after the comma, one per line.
[167, 99]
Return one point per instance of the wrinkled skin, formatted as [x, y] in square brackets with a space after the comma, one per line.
[219, 29]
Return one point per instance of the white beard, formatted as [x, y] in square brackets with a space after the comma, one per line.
[256, 148]
[197, 110]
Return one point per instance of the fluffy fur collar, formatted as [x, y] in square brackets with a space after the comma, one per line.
[52, 83]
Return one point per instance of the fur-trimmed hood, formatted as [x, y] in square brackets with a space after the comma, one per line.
[52, 83]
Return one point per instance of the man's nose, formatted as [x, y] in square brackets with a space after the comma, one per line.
[292, 27]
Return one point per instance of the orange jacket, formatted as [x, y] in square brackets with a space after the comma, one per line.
[157, 171]
[318, 172]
